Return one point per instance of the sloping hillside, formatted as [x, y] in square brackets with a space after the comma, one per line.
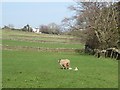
[29, 39]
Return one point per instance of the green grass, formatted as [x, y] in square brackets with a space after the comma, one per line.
[39, 44]
[33, 69]
[41, 70]
[33, 36]
[19, 38]
[0, 59]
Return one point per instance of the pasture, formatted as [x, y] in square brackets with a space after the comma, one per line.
[40, 69]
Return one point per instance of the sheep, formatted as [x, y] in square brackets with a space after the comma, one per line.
[64, 63]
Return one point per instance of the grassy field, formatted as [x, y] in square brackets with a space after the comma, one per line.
[7, 34]
[18, 38]
[0, 59]
[33, 69]
[38, 44]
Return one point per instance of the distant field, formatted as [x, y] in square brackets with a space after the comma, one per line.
[18, 38]
[7, 34]
[40, 69]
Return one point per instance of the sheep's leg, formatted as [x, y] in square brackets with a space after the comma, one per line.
[62, 66]
[67, 65]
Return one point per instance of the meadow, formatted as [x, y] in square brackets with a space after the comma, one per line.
[40, 69]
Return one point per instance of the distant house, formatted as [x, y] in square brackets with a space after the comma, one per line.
[36, 30]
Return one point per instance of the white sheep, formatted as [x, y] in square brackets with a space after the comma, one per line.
[64, 63]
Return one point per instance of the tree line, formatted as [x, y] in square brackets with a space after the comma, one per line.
[96, 23]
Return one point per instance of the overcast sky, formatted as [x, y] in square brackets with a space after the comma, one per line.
[34, 13]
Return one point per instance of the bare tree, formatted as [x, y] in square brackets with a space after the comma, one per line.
[99, 20]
